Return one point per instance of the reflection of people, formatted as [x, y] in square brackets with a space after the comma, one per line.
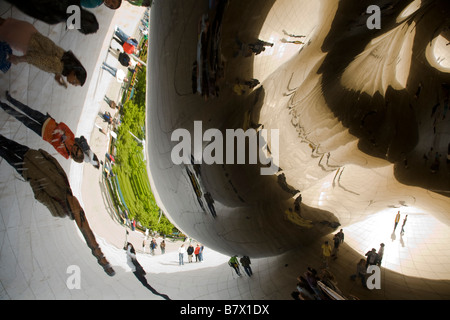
[129, 44]
[372, 257]
[138, 271]
[403, 225]
[117, 73]
[326, 253]
[245, 262]
[197, 253]
[57, 134]
[51, 187]
[181, 251]
[190, 251]
[360, 272]
[380, 254]
[233, 262]
[41, 52]
[397, 219]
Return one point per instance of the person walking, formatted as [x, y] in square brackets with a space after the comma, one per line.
[190, 251]
[397, 219]
[57, 134]
[234, 263]
[245, 262]
[403, 225]
[181, 252]
[41, 52]
[326, 253]
[51, 187]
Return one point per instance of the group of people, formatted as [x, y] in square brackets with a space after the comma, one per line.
[244, 261]
[397, 220]
[153, 245]
[190, 251]
[248, 49]
[329, 252]
[313, 285]
[45, 175]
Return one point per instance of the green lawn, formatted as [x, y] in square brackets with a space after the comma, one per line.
[131, 169]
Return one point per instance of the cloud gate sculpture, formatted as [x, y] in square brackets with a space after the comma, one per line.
[270, 126]
[354, 107]
[346, 104]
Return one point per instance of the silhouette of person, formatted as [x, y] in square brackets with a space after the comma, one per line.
[139, 272]
[397, 219]
[51, 187]
[245, 262]
[403, 225]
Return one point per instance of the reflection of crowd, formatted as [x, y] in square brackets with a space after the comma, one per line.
[208, 68]
[45, 175]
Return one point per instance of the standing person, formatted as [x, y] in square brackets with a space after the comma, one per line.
[197, 252]
[57, 134]
[372, 258]
[129, 45]
[153, 246]
[123, 37]
[200, 253]
[326, 253]
[41, 52]
[181, 252]
[336, 243]
[245, 262]
[341, 235]
[190, 251]
[162, 245]
[361, 271]
[117, 73]
[380, 254]
[233, 262]
[403, 225]
[144, 244]
[397, 219]
[138, 271]
[51, 187]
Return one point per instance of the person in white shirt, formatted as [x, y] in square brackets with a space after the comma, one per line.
[181, 252]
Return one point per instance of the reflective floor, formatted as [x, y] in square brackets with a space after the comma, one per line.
[345, 107]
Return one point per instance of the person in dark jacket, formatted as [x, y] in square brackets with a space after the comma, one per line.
[51, 187]
[245, 262]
